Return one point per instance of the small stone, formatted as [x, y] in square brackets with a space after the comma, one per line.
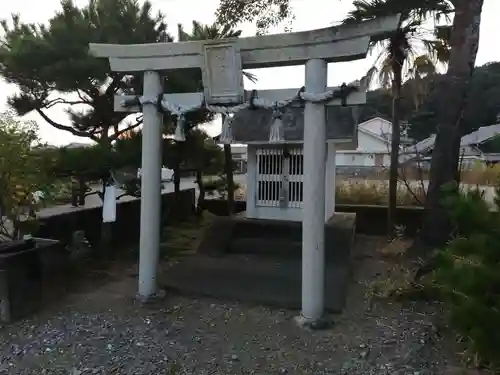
[364, 354]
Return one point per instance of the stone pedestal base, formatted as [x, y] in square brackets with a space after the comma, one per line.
[322, 323]
[148, 300]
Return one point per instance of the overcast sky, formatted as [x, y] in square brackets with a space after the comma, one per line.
[310, 14]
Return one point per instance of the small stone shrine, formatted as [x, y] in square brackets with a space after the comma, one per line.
[275, 174]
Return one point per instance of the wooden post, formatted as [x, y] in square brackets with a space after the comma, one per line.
[228, 169]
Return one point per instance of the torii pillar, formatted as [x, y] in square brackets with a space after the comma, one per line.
[222, 62]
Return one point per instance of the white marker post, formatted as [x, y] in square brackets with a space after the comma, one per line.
[150, 188]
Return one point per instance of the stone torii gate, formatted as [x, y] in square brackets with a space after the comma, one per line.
[221, 62]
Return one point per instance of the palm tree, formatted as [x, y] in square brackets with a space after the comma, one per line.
[398, 52]
[216, 31]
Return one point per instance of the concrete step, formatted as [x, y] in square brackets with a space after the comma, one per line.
[283, 248]
[253, 279]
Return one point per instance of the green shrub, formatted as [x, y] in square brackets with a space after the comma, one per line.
[57, 192]
[219, 186]
[467, 274]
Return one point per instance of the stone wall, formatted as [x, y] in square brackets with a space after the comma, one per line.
[125, 230]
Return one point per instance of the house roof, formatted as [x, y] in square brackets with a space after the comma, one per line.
[376, 118]
[481, 135]
[385, 135]
[422, 146]
[373, 134]
[254, 125]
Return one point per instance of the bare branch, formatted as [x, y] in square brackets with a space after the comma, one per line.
[86, 100]
[57, 101]
[78, 133]
[117, 134]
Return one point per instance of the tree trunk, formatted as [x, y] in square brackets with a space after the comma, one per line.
[454, 88]
[397, 67]
[200, 205]
[74, 191]
[106, 228]
[228, 169]
[82, 190]
[177, 179]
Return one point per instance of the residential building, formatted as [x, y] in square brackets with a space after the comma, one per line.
[476, 147]
[374, 145]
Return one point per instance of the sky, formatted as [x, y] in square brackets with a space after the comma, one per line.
[310, 14]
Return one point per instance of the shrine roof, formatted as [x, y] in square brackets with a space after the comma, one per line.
[254, 125]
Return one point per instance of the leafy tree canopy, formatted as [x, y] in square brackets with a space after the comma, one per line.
[266, 13]
[482, 109]
[22, 171]
[52, 66]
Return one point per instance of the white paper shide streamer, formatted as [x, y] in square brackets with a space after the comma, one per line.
[226, 135]
[276, 132]
[109, 206]
[179, 135]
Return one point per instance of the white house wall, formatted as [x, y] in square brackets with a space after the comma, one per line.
[355, 159]
[377, 125]
[371, 152]
[367, 142]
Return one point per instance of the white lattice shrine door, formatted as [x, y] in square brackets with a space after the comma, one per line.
[296, 177]
[270, 178]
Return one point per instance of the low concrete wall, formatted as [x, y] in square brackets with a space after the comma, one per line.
[370, 219]
[125, 230]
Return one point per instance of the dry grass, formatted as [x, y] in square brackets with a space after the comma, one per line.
[376, 192]
[395, 285]
[478, 174]
[185, 237]
[374, 189]
[356, 191]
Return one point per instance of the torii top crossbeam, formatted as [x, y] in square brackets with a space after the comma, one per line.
[222, 61]
[333, 44]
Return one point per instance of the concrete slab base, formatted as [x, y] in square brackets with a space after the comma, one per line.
[257, 260]
[148, 300]
[253, 279]
[322, 323]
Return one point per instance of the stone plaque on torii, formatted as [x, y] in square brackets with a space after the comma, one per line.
[221, 62]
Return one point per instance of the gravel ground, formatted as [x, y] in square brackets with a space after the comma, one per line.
[100, 330]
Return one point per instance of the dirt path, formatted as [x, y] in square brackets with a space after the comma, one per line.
[100, 330]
